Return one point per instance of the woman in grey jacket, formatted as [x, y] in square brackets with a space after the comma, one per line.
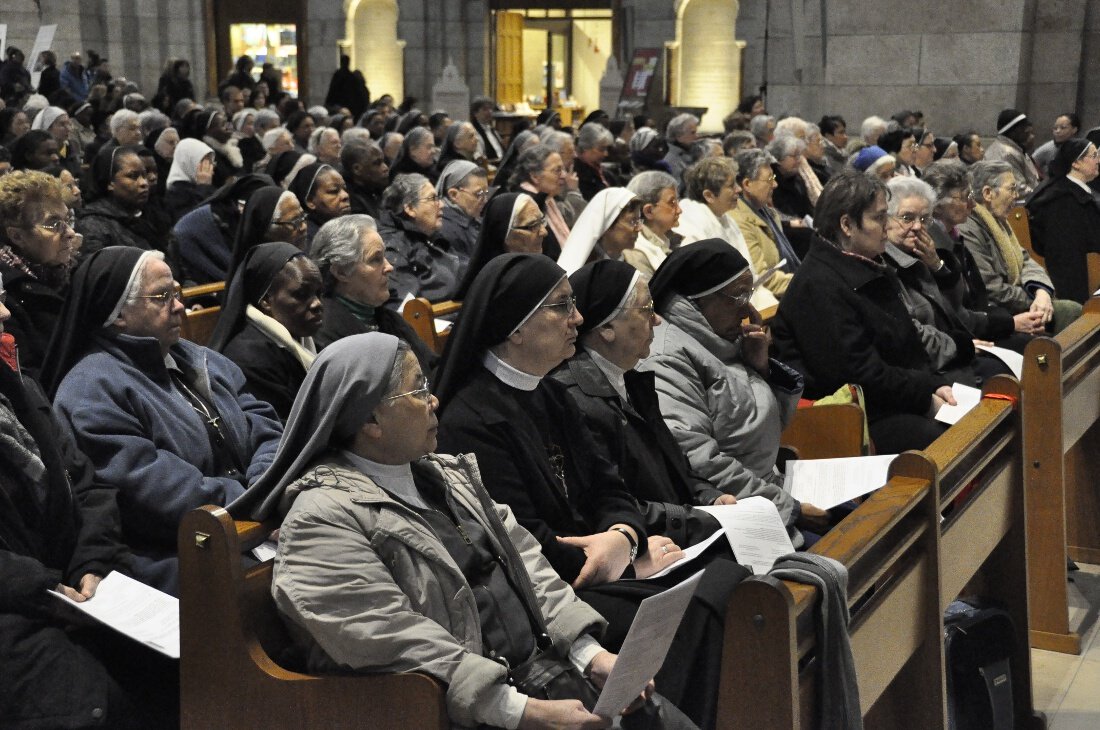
[393, 559]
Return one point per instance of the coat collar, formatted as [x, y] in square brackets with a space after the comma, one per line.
[852, 271]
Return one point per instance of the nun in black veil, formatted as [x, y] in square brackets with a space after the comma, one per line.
[518, 322]
[510, 223]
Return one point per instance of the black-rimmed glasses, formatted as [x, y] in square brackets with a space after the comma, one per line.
[533, 226]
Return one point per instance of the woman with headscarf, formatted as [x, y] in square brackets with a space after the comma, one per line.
[511, 223]
[459, 144]
[358, 454]
[416, 156]
[648, 148]
[244, 129]
[463, 187]
[116, 197]
[1065, 218]
[356, 275]
[190, 178]
[271, 214]
[608, 226]
[56, 121]
[550, 118]
[535, 453]
[411, 120]
[320, 189]
[324, 144]
[162, 143]
[272, 310]
[522, 142]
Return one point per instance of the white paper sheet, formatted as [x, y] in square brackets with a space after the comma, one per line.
[967, 398]
[646, 644]
[690, 553]
[136, 610]
[755, 531]
[825, 483]
[1013, 359]
[265, 551]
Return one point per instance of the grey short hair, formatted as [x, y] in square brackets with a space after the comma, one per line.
[266, 119]
[710, 174]
[678, 125]
[735, 140]
[945, 177]
[355, 135]
[403, 191]
[751, 162]
[592, 135]
[121, 117]
[902, 187]
[649, 185]
[703, 148]
[792, 126]
[151, 120]
[758, 125]
[271, 136]
[556, 139]
[358, 151]
[338, 244]
[870, 124]
[986, 173]
[784, 146]
[531, 162]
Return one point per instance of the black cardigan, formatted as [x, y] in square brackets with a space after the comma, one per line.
[271, 372]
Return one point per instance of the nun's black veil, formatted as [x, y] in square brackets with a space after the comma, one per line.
[500, 299]
[251, 281]
[692, 270]
[490, 240]
[252, 230]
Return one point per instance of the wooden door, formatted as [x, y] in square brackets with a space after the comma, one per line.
[509, 57]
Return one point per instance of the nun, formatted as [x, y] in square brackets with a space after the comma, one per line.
[190, 177]
[518, 322]
[55, 120]
[459, 144]
[271, 214]
[724, 400]
[321, 191]
[609, 225]
[416, 156]
[463, 187]
[162, 142]
[272, 310]
[511, 223]
[463, 592]
[117, 194]
[166, 423]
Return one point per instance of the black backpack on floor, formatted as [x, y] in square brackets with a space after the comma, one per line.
[978, 642]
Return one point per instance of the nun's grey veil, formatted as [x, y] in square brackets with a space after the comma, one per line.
[342, 388]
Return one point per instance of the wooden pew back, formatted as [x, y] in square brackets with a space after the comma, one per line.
[231, 637]
[421, 316]
[198, 324]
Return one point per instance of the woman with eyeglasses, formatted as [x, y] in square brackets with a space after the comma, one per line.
[609, 225]
[321, 191]
[511, 223]
[1065, 218]
[959, 279]
[36, 256]
[409, 226]
[272, 310]
[1012, 278]
[464, 188]
[760, 223]
[271, 214]
[117, 195]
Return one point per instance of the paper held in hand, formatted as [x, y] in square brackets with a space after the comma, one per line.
[136, 610]
[644, 649]
[825, 483]
[967, 399]
[755, 531]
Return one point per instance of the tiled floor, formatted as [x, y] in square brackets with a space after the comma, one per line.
[1067, 687]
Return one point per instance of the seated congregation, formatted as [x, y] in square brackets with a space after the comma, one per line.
[640, 313]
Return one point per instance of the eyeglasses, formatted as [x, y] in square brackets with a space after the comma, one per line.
[480, 194]
[768, 180]
[1086, 155]
[739, 299]
[1014, 188]
[569, 304]
[646, 309]
[962, 198]
[632, 222]
[909, 219]
[293, 222]
[58, 226]
[534, 225]
[429, 199]
[164, 297]
[423, 393]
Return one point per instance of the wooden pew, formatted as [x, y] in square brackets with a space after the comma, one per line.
[199, 323]
[1061, 410]
[904, 569]
[231, 637]
[825, 432]
[421, 316]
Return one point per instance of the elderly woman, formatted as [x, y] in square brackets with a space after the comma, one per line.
[959, 278]
[216, 131]
[163, 143]
[325, 145]
[760, 223]
[38, 245]
[272, 310]
[842, 320]
[56, 121]
[875, 161]
[592, 145]
[464, 188]
[660, 214]
[416, 156]
[680, 134]
[801, 130]
[608, 226]
[648, 148]
[321, 191]
[970, 148]
[248, 136]
[791, 197]
[190, 178]
[466, 601]
[356, 278]
[540, 172]
[119, 192]
[902, 144]
[411, 221]
[569, 200]
[1065, 218]
[762, 127]
[512, 223]
[460, 143]
[1012, 278]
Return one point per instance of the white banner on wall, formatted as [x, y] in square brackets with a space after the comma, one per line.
[42, 43]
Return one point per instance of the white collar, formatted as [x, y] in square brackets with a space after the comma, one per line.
[508, 374]
[397, 479]
[1083, 185]
[615, 374]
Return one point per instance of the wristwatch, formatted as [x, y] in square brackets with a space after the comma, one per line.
[630, 538]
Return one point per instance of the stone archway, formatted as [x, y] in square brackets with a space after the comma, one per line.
[709, 58]
[374, 47]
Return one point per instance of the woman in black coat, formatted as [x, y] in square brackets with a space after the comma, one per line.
[117, 194]
[416, 156]
[1065, 219]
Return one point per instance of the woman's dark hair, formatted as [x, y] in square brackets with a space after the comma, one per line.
[891, 141]
[746, 105]
[965, 139]
[849, 192]
[27, 145]
[1074, 120]
[831, 122]
[295, 120]
[103, 169]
